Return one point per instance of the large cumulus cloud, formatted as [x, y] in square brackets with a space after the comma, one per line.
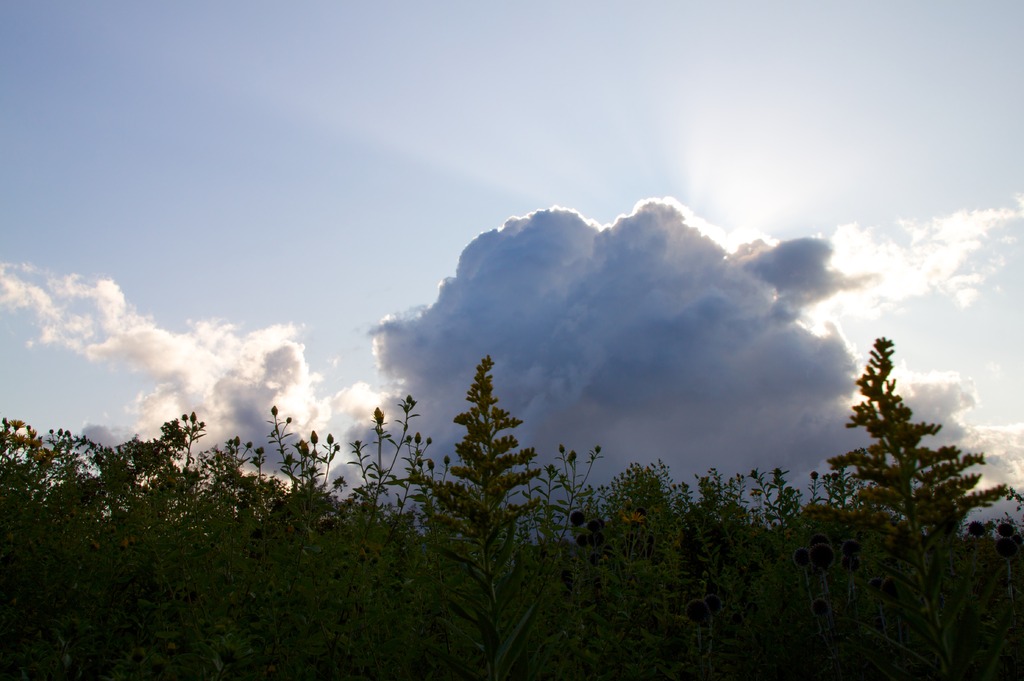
[646, 337]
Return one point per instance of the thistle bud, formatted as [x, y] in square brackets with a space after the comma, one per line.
[698, 611]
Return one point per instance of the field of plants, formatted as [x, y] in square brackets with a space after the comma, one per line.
[165, 559]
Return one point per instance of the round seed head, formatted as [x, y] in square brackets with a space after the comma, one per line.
[851, 547]
[822, 556]
[820, 607]
[577, 518]
[976, 528]
[889, 587]
[802, 557]
[698, 611]
[1006, 547]
[714, 603]
[818, 538]
[1004, 529]
[595, 525]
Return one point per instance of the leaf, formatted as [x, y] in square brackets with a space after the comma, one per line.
[508, 586]
[962, 639]
[464, 613]
[882, 662]
[457, 665]
[513, 646]
[988, 668]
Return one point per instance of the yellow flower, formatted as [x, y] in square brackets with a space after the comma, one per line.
[632, 517]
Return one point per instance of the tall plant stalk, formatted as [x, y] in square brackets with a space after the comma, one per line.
[917, 498]
[475, 504]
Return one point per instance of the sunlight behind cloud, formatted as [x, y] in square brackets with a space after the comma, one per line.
[952, 255]
[754, 169]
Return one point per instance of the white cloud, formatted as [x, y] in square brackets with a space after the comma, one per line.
[952, 255]
[947, 398]
[943, 397]
[1003, 447]
[359, 400]
[229, 377]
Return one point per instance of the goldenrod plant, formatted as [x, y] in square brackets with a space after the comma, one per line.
[917, 498]
[476, 505]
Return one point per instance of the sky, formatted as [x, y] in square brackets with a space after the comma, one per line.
[676, 227]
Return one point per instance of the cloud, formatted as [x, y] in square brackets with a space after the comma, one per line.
[947, 255]
[661, 336]
[947, 398]
[107, 436]
[229, 377]
[647, 337]
[1002, 446]
[658, 336]
[358, 401]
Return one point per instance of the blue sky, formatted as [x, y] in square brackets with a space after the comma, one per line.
[215, 206]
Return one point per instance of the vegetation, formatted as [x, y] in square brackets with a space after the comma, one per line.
[155, 559]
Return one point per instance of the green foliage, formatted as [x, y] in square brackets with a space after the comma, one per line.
[917, 497]
[924, 490]
[158, 559]
[476, 504]
[778, 503]
[476, 507]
